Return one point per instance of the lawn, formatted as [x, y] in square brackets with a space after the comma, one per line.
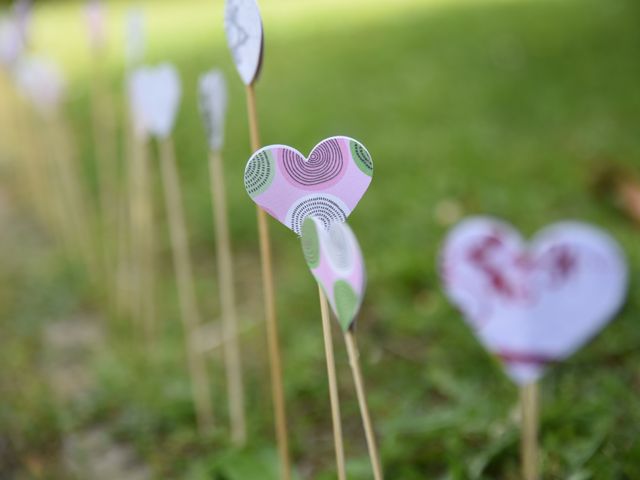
[501, 107]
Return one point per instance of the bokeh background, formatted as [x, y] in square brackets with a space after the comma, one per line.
[523, 109]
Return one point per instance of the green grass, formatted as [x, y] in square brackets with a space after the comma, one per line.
[504, 107]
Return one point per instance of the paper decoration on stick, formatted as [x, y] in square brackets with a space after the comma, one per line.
[327, 185]
[243, 26]
[213, 106]
[533, 305]
[335, 260]
[155, 97]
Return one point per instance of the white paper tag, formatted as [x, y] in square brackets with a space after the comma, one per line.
[41, 82]
[243, 26]
[96, 25]
[213, 106]
[155, 96]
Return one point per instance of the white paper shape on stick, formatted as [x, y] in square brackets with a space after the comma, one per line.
[533, 305]
[245, 37]
[41, 82]
[11, 42]
[155, 97]
[96, 24]
[335, 260]
[213, 106]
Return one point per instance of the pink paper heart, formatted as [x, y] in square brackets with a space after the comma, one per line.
[328, 185]
[534, 305]
[335, 260]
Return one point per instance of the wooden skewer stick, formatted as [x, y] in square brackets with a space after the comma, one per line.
[333, 385]
[73, 194]
[104, 139]
[233, 365]
[142, 245]
[275, 361]
[186, 290]
[128, 281]
[354, 361]
[529, 434]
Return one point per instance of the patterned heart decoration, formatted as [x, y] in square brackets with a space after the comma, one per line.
[243, 27]
[155, 96]
[536, 305]
[335, 260]
[327, 185]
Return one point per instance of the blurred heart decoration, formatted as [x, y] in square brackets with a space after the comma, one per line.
[213, 106]
[327, 185]
[155, 96]
[536, 305]
[40, 80]
[335, 260]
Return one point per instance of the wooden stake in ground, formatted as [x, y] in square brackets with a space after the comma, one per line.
[333, 386]
[156, 96]
[243, 27]
[104, 140]
[184, 276]
[335, 260]
[529, 431]
[129, 296]
[213, 101]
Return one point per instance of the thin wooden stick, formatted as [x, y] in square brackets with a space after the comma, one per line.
[333, 385]
[354, 360]
[104, 139]
[73, 193]
[235, 389]
[275, 361]
[186, 290]
[146, 251]
[142, 245]
[529, 443]
[128, 293]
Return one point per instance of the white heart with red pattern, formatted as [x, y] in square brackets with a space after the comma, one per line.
[533, 305]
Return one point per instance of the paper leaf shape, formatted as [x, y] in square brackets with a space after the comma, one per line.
[41, 82]
[213, 106]
[243, 26]
[533, 305]
[335, 260]
[328, 185]
[155, 97]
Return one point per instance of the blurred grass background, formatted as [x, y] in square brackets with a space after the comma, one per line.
[503, 107]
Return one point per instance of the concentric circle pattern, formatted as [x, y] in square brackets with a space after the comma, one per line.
[325, 164]
[361, 157]
[259, 173]
[326, 209]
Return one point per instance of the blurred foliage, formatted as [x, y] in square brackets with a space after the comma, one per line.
[498, 107]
